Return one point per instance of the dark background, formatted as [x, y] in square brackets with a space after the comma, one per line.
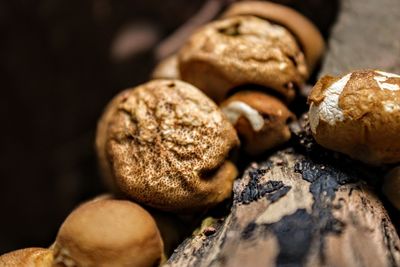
[61, 61]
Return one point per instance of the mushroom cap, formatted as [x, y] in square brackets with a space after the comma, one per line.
[308, 36]
[242, 50]
[261, 120]
[165, 144]
[108, 232]
[358, 114]
[167, 68]
[27, 257]
[391, 186]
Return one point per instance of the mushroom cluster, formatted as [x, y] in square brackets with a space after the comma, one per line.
[251, 62]
[166, 148]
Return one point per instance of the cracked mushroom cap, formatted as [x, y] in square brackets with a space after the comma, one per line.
[242, 50]
[108, 232]
[28, 257]
[261, 120]
[165, 144]
[307, 35]
[358, 114]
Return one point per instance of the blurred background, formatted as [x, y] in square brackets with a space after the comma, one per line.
[61, 61]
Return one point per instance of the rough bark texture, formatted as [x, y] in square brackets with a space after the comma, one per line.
[300, 207]
[306, 206]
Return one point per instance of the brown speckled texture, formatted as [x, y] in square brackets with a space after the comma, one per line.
[305, 31]
[107, 232]
[370, 129]
[165, 144]
[28, 257]
[242, 50]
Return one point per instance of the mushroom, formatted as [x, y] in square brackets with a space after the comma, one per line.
[261, 120]
[307, 35]
[28, 257]
[391, 187]
[167, 69]
[242, 50]
[358, 114]
[166, 145]
[108, 232]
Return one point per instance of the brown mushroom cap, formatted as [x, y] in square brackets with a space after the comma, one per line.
[165, 144]
[167, 69]
[359, 115]
[240, 51]
[108, 232]
[28, 257]
[306, 33]
[391, 187]
[260, 120]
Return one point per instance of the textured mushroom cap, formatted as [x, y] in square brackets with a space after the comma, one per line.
[359, 115]
[391, 187]
[27, 257]
[108, 232]
[308, 36]
[239, 51]
[165, 144]
[167, 69]
[260, 120]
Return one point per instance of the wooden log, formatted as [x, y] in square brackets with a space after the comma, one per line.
[299, 209]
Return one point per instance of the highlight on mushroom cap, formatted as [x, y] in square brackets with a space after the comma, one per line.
[165, 144]
[358, 114]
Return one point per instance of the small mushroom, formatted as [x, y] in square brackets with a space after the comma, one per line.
[167, 69]
[242, 50]
[260, 120]
[166, 145]
[28, 257]
[108, 232]
[358, 114]
[308, 36]
[391, 187]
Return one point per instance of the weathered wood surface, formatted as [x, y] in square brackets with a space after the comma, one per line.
[301, 207]
[305, 206]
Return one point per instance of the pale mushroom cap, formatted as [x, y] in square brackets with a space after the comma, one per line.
[240, 51]
[308, 36]
[359, 115]
[261, 120]
[108, 232]
[28, 257]
[167, 69]
[391, 187]
[165, 144]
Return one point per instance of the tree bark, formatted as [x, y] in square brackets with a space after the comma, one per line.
[301, 207]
